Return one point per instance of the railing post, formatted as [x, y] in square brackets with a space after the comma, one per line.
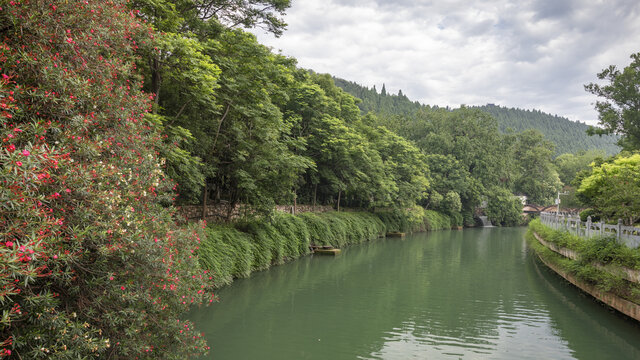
[619, 230]
[601, 228]
[588, 227]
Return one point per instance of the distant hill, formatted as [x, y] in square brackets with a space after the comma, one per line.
[569, 136]
[379, 102]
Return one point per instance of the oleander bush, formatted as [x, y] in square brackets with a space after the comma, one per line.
[92, 264]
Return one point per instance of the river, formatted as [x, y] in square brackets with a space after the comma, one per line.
[472, 294]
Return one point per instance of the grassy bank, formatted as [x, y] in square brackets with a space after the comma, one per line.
[601, 250]
[235, 250]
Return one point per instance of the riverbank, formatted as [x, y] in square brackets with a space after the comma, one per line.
[599, 266]
[236, 250]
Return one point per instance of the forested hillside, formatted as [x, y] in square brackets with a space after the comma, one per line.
[568, 136]
[379, 102]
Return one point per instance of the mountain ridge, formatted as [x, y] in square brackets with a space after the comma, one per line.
[568, 136]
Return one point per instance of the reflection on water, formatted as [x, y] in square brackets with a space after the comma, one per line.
[451, 294]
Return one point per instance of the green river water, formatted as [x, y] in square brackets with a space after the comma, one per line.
[472, 294]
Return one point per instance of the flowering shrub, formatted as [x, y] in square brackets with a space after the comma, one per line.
[91, 265]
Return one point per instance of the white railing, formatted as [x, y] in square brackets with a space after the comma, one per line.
[627, 235]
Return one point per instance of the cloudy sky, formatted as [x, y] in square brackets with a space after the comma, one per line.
[515, 53]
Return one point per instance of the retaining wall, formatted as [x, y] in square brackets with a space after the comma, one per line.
[218, 212]
[624, 306]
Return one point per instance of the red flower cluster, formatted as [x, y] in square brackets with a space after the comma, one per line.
[91, 262]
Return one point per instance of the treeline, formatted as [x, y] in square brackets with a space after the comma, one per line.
[381, 102]
[256, 129]
[568, 136]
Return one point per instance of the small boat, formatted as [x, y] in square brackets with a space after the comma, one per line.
[396, 234]
[327, 251]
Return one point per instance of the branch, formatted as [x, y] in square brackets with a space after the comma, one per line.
[215, 141]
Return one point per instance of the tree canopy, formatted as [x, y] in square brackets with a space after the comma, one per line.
[619, 109]
[613, 189]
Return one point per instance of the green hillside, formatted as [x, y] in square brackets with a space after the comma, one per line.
[569, 136]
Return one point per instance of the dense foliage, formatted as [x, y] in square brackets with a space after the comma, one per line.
[619, 111]
[610, 187]
[381, 102]
[236, 250]
[502, 208]
[568, 136]
[92, 265]
[613, 189]
[570, 166]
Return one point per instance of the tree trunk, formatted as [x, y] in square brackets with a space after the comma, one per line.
[232, 206]
[205, 195]
[233, 200]
[339, 194]
[315, 192]
[156, 82]
[295, 202]
[215, 140]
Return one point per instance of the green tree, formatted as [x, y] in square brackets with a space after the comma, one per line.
[180, 71]
[265, 14]
[619, 112]
[613, 189]
[405, 166]
[247, 146]
[537, 177]
[463, 150]
[503, 208]
[569, 165]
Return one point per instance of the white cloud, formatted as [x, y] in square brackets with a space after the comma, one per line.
[527, 54]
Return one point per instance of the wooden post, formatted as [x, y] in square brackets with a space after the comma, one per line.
[339, 194]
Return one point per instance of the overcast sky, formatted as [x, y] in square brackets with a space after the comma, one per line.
[526, 54]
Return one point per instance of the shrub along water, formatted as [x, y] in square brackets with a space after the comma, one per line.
[604, 250]
[235, 250]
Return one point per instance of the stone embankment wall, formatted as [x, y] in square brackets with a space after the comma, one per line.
[626, 307]
[218, 212]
